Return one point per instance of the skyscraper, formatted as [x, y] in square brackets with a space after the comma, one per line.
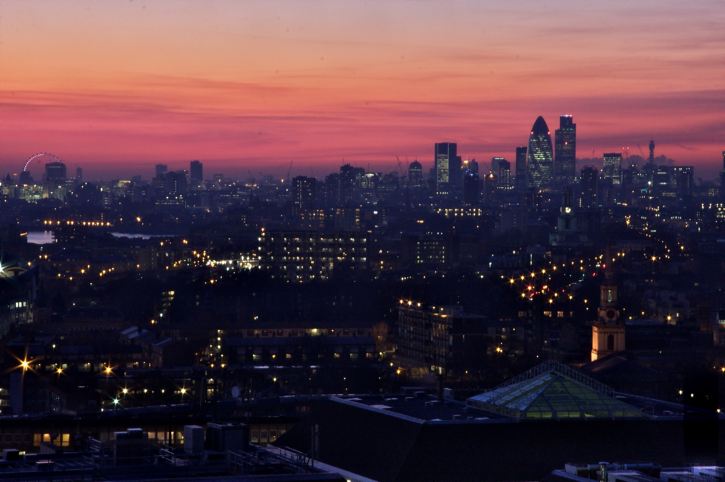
[196, 173]
[470, 165]
[722, 178]
[160, 170]
[588, 185]
[447, 167]
[540, 157]
[55, 172]
[521, 169]
[565, 160]
[350, 183]
[304, 191]
[471, 188]
[415, 175]
[684, 180]
[612, 168]
[502, 170]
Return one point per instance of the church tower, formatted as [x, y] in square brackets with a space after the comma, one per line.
[608, 330]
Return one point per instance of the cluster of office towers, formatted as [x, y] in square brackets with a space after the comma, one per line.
[540, 164]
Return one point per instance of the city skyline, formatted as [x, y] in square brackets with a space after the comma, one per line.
[314, 86]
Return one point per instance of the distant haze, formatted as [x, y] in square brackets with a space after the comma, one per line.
[250, 85]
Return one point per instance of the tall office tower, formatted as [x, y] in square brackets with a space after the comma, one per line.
[722, 178]
[612, 169]
[565, 160]
[588, 183]
[470, 165]
[175, 183]
[160, 170]
[471, 188]
[415, 175]
[55, 172]
[447, 168]
[196, 173]
[332, 195]
[540, 157]
[304, 191]
[501, 169]
[350, 183]
[521, 169]
[651, 152]
[684, 181]
[663, 184]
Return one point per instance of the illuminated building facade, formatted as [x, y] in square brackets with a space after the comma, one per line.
[540, 158]
[612, 168]
[301, 256]
[446, 341]
[608, 331]
[304, 190]
[447, 168]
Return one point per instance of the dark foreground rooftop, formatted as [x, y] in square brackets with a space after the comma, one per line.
[418, 436]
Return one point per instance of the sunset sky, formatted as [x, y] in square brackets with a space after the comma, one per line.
[115, 86]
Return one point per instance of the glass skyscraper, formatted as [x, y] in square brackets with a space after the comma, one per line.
[565, 150]
[540, 157]
[447, 168]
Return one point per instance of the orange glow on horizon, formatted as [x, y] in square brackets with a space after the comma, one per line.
[245, 85]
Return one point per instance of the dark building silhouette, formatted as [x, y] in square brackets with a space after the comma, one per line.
[522, 173]
[722, 178]
[684, 181]
[471, 188]
[470, 166]
[55, 172]
[175, 183]
[25, 178]
[350, 183]
[415, 175]
[588, 180]
[565, 161]
[501, 169]
[540, 158]
[304, 190]
[160, 170]
[196, 173]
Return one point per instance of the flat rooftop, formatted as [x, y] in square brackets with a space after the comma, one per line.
[421, 408]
